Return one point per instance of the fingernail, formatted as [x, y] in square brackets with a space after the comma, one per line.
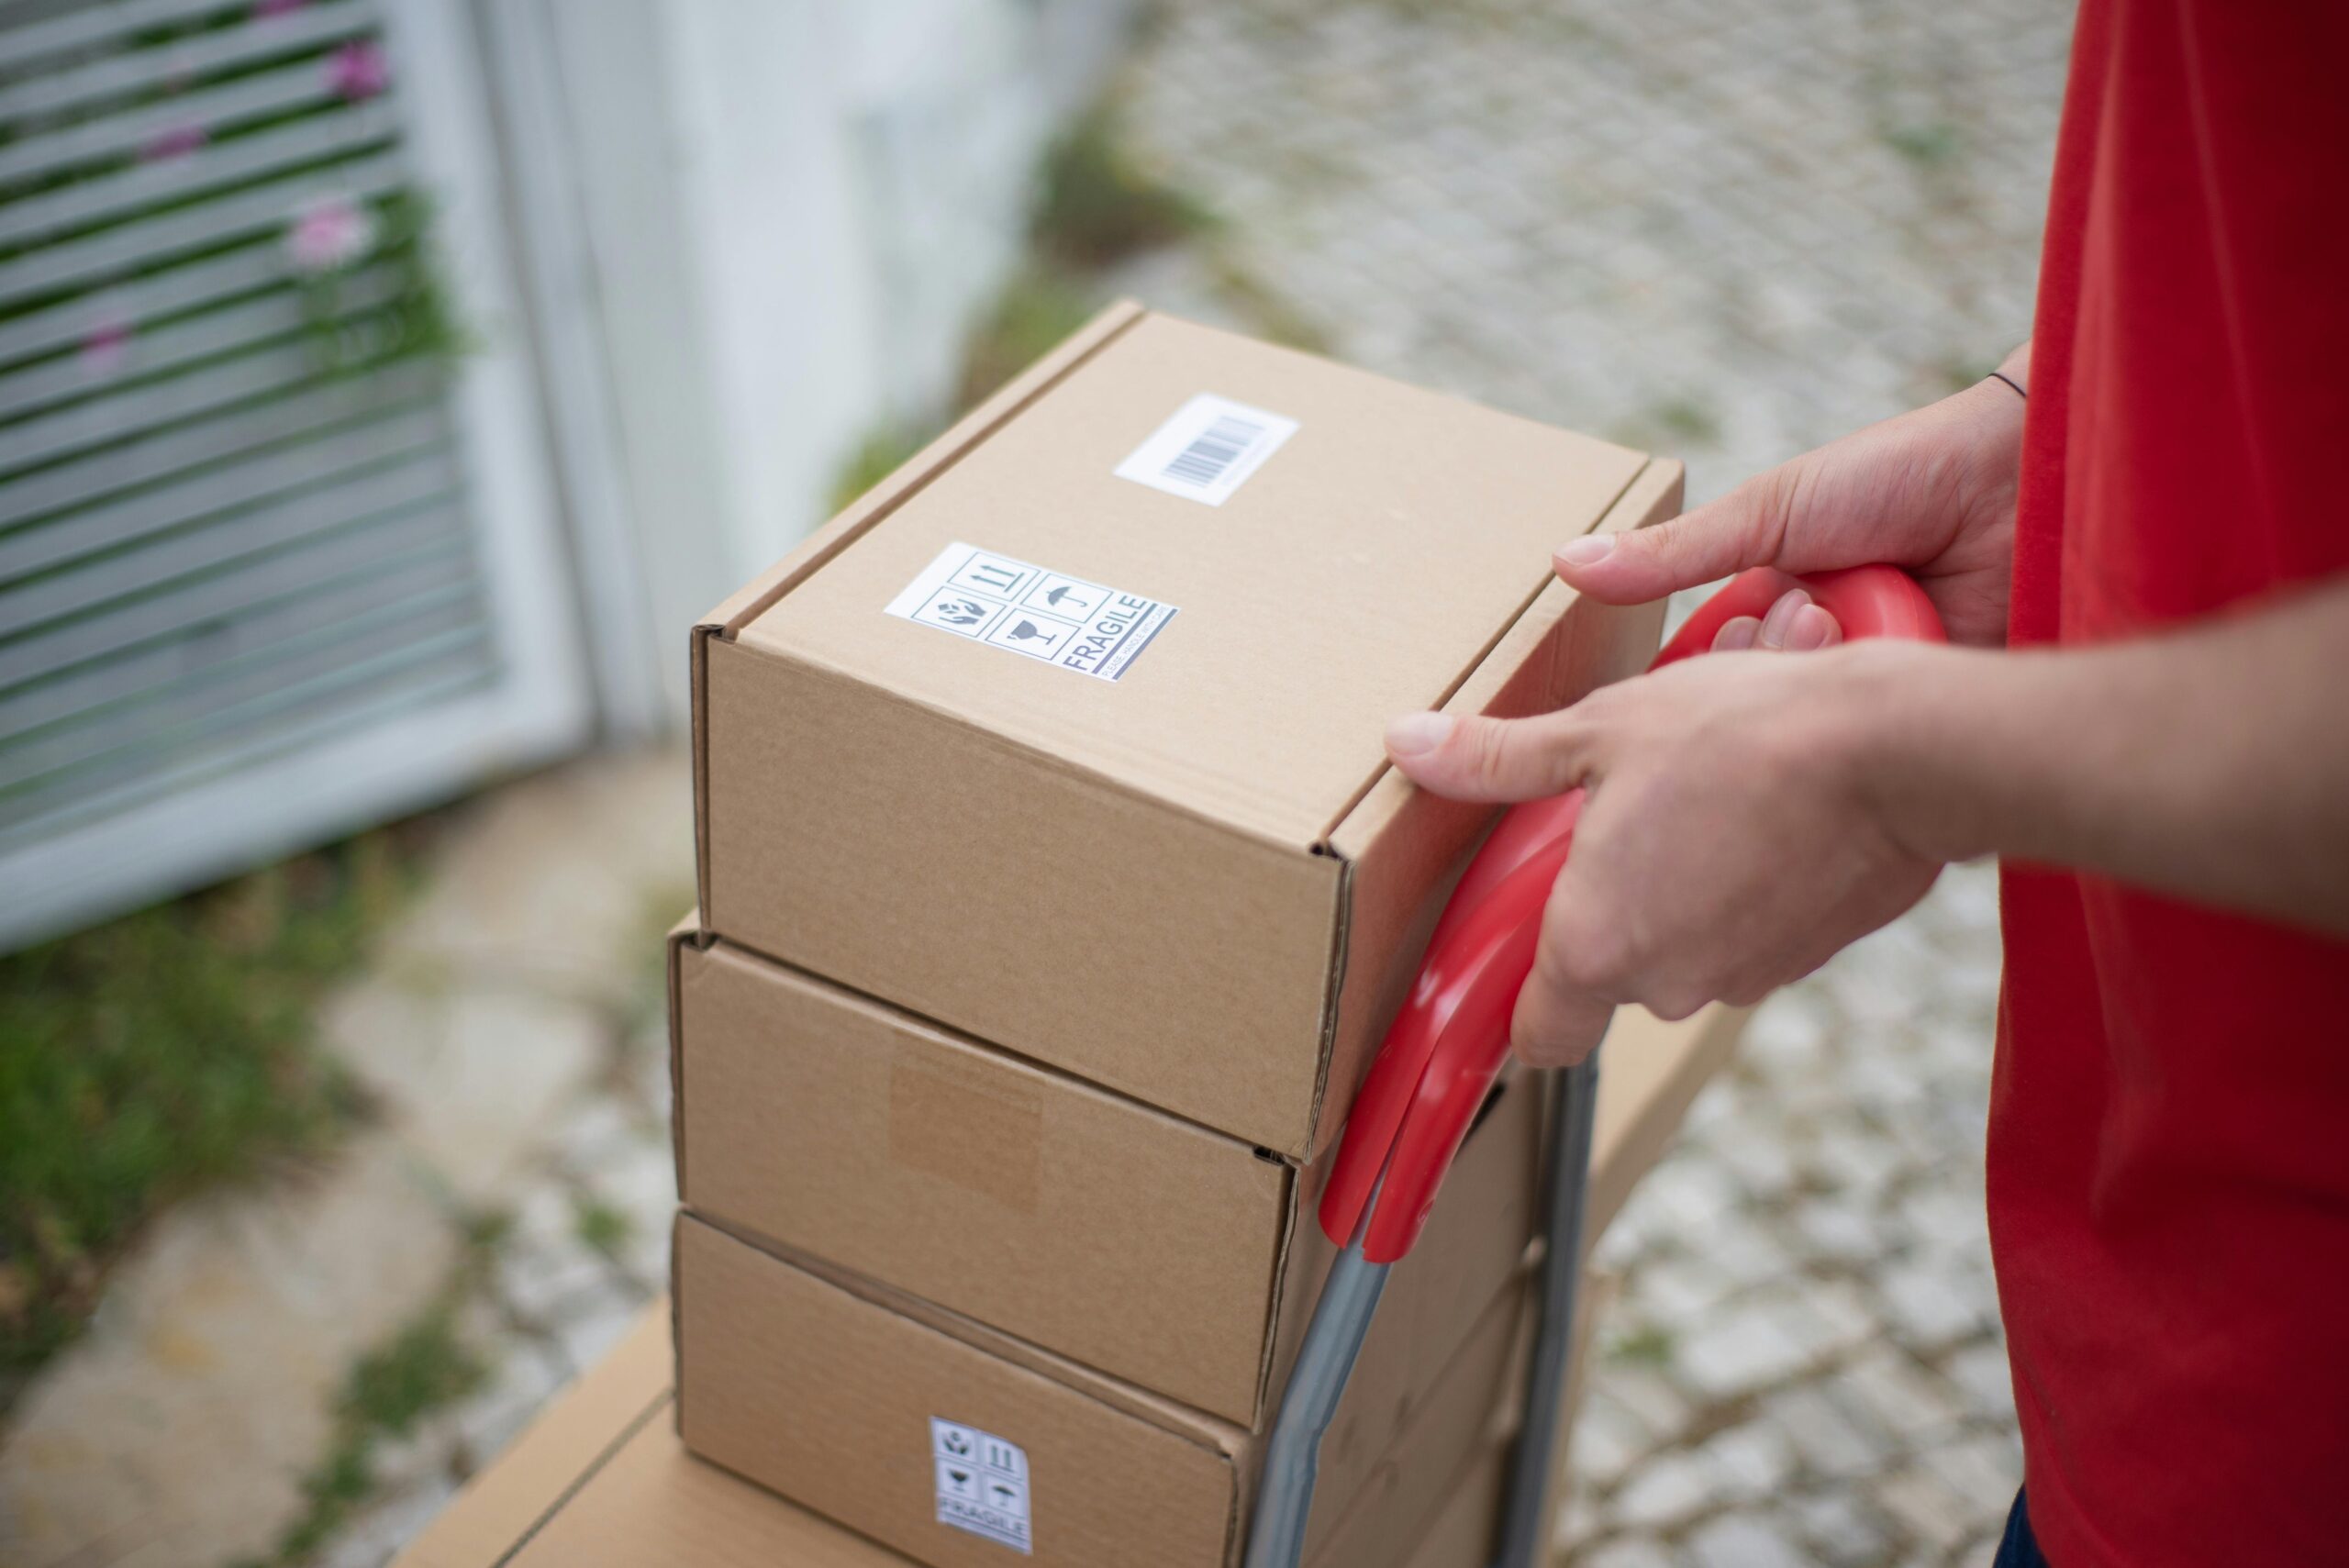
[1417, 734]
[1781, 616]
[1587, 550]
[1812, 629]
[1736, 635]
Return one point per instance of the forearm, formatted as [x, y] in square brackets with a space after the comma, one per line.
[2211, 762]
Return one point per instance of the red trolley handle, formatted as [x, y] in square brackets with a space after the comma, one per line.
[1445, 1047]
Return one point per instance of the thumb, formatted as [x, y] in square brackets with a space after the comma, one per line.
[1744, 528]
[1469, 758]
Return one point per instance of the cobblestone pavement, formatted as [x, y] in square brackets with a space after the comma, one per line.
[1729, 231]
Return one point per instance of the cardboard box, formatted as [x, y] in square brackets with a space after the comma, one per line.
[834, 1391]
[1089, 1224]
[821, 1384]
[601, 1481]
[1452, 1513]
[1197, 883]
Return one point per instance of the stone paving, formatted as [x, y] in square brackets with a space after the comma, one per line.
[1728, 230]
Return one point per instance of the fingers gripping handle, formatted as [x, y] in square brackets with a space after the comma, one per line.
[1867, 601]
[1445, 1047]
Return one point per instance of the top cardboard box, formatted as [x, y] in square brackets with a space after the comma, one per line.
[1069, 733]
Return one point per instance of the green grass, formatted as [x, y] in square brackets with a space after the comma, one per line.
[1040, 306]
[391, 1391]
[161, 1053]
[599, 1224]
[1929, 146]
[875, 458]
[1647, 1346]
[1687, 420]
[1098, 203]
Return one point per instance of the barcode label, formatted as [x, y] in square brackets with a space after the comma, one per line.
[1208, 450]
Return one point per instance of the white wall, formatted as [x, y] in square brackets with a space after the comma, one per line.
[754, 231]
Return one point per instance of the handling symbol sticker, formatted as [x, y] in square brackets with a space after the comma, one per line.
[982, 1484]
[1060, 619]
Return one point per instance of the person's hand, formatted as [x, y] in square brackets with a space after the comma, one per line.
[1932, 491]
[1728, 844]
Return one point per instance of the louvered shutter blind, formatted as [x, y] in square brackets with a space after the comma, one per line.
[235, 521]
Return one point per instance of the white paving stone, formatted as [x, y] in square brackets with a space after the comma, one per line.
[1755, 1458]
[1627, 1552]
[1668, 1487]
[1842, 1528]
[1748, 1348]
[1742, 1541]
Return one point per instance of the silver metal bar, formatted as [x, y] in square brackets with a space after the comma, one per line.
[1324, 1362]
[1525, 1514]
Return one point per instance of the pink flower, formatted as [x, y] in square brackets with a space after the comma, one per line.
[175, 141]
[329, 234]
[106, 344]
[359, 69]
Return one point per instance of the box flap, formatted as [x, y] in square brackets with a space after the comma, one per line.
[1346, 579]
[1399, 840]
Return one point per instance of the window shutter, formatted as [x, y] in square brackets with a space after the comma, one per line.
[275, 555]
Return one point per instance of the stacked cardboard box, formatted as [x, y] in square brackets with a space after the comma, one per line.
[1055, 894]
[601, 1480]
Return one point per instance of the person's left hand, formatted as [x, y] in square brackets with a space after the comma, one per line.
[1728, 844]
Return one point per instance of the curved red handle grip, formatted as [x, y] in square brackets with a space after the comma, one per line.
[1446, 1046]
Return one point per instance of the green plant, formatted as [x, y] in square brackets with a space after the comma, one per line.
[876, 457]
[170, 1049]
[1929, 146]
[1038, 307]
[1689, 421]
[425, 1367]
[389, 305]
[1096, 203]
[599, 1224]
[1647, 1345]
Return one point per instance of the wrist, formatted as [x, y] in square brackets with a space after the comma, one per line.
[1899, 737]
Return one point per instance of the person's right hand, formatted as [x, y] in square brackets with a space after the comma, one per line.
[1931, 491]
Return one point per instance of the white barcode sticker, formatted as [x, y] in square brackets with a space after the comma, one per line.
[1208, 450]
[982, 1482]
[1068, 621]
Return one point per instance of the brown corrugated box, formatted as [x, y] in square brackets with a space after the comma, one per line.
[1209, 854]
[795, 1371]
[601, 1481]
[1093, 1226]
[1452, 1511]
[822, 1383]
[825, 1388]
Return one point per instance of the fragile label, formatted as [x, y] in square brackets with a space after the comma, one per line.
[982, 1482]
[1208, 450]
[1022, 608]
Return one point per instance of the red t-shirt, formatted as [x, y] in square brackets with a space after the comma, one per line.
[2169, 1117]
